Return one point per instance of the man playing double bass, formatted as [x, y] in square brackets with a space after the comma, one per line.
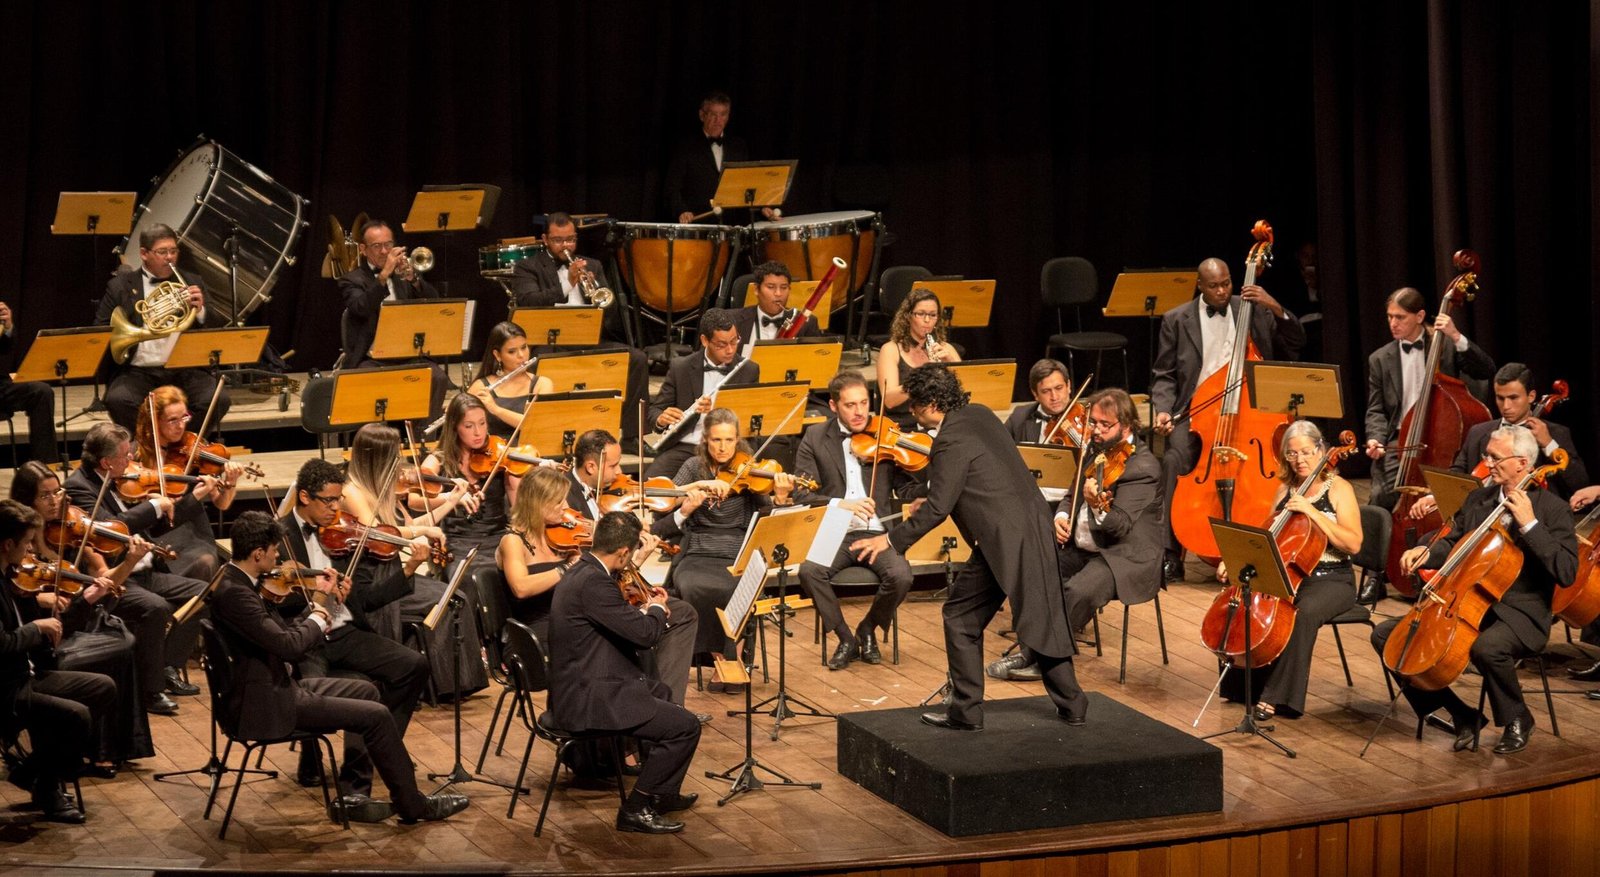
[1519, 624]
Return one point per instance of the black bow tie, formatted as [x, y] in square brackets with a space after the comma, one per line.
[773, 321]
[310, 531]
[723, 370]
[1411, 346]
[1212, 311]
[714, 141]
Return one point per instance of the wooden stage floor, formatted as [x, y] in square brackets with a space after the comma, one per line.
[136, 823]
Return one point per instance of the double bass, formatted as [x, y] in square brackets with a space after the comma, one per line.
[1432, 431]
[1236, 477]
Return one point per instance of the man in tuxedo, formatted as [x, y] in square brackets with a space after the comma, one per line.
[1519, 625]
[1111, 553]
[596, 683]
[862, 488]
[268, 702]
[691, 381]
[1196, 340]
[33, 398]
[1052, 390]
[385, 274]
[146, 368]
[975, 476]
[698, 160]
[58, 708]
[763, 320]
[351, 645]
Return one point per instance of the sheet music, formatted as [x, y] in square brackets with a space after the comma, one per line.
[744, 595]
[830, 535]
[466, 325]
[437, 612]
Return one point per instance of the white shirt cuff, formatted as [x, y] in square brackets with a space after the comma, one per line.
[1462, 343]
[1528, 528]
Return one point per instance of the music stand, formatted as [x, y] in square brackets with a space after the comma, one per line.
[94, 214]
[1449, 489]
[799, 291]
[1298, 389]
[1149, 293]
[566, 326]
[62, 355]
[764, 406]
[754, 184]
[990, 381]
[447, 208]
[1054, 467]
[367, 395]
[555, 420]
[420, 329]
[584, 370]
[214, 348]
[1252, 555]
[965, 303]
[807, 360]
[942, 543]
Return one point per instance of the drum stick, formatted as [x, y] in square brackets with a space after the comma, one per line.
[716, 210]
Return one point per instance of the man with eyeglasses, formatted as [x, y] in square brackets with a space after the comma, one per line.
[146, 368]
[385, 274]
[691, 385]
[1114, 552]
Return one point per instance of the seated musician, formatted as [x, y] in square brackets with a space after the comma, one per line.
[473, 514]
[107, 452]
[844, 480]
[596, 463]
[917, 336]
[711, 532]
[146, 369]
[384, 274]
[1328, 592]
[1110, 553]
[764, 320]
[1039, 421]
[58, 708]
[1196, 340]
[505, 350]
[32, 398]
[199, 555]
[555, 276]
[97, 633]
[595, 680]
[1519, 624]
[350, 645]
[697, 161]
[267, 701]
[692, 381]
[530, 564]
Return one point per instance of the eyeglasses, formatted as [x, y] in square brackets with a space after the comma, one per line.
[1299, 455]
[564, 239]
[330, 500]
[925, 315]
[380, 245]
[1493, 460]
[1102, 424]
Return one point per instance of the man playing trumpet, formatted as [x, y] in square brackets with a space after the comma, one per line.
[386, 273]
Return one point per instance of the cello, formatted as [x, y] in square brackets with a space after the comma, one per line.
[1226, 482]
[1432, 430]
[1578, 603]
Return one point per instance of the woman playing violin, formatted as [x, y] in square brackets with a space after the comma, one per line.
[172, 422]
[1329, 590]
[917, 337]
[506, 351]
[199, 554]
[530, 564]
[474, 514]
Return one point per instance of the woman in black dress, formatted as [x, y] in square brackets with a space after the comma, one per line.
[506, 349]
[530, 564]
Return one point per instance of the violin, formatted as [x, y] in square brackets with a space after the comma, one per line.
[745, 473]
[139, 483]
[518, 460]
[277, 585]
[632, 584]
[210, 458]
[35, 574]
[1069, 428]
[384, 541]
[1557, 395]
[574, 531]
[883, 439]
[660, 494]
[1107, 467]
[406, 481]
[106, 537]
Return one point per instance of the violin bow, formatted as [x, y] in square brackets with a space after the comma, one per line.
[516, 433]
[776, 432]
[205, 423]
[366, 528]
[155, 445]
[1061, 421]
[638, 510]
[283, 537]
[877, 443]
[416, 469]
[88, 525]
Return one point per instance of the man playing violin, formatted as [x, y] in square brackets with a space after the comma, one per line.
[691, 381]
[768, 317]
[268, 702]
[1109, 534]
[1519, 624]
[858, 486]
[1040, 421]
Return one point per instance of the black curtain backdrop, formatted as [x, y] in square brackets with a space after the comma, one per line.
[992, 138]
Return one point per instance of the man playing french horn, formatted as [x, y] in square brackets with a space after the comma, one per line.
[156, 304]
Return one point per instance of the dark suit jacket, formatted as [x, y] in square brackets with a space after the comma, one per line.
[264, 644]
[127, 287]
[363, 297]
[686, 381]
[1550, 558]
[692, 174]
[596, 681]
[1385, 387]
[374, 585]
[1178, 354]
[1564, 483]
[821, 456]
[83, 488]
[1023, 425]
[536, 283]
[744, 319]
[976, 477]
[1130, 537]
[20, 641]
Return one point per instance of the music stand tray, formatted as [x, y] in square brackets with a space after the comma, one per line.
[754, 183]
[966, 303]
[555, 420]
[431, 327]
[366, 395]
[1449, 489]
[761, 407]
[212, 348]
[584, 370]
[1299, 389]
[990, 381]
[799, 291]
[799, 359]
[64, 354]
[94, 213]
[446, 208]
[1053, 466]
[566, 326]
[1150, 292]
[930, 548]
[1253, 562]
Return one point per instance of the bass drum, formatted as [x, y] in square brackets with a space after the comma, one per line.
[809, 243]
[204, 197]
[662, 260]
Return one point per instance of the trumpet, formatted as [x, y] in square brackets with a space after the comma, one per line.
[421, 259]
[599, 296]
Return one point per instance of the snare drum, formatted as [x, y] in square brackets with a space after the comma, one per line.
[808, 244]
[690, 260]
[500, 259]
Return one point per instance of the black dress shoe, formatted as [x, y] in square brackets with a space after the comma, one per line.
[1467, 731]
[176, 686]
[943, 720]
[1075, 720]
[58, 806]
[842, 654]
[359, 808]
[646, 820]
[436, 807]
[161, 705]
[1005, 667]
[1372, 591]
[674, 803]
[1172, 570]
[1590, 673]
[632, 770]
[867, 646]
[1515, 737]
[1031, 673]
[99, 771]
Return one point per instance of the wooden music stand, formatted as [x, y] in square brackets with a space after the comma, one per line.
[447, 208]
[1449, 489]
[214, 348]
[584, 370]
[965, 303]
[931, 547]
[62, 355]
[1298, 389]
[368, 395]
[1254, 563]
[799, 291]
[761, 407]
[556, 420]
[799, 359]
[990, 381]
[566, 326]
[1149, 293]
[1054, 467]
[94, 213]
[754, 184]
[429, 328]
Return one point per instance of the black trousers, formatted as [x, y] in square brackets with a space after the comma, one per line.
[1494, 653]
[894, 582]
[34, 399]
[1283, 683]
[127, 389]
[177, 643]
[59, 709]
[1181, 455]
[107, 647]
[1088, 582]
[146, 615]
[399, 674]
[323, 706]
[669, 662]
[703, 581]
[669, 738]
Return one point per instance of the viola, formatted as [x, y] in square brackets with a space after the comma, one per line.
[106, 537]
[210, 458]
[384, 541]
[745, 473]
[518, 460]
[572, 532]
[1446, 619]
[1557, 395]
[139, 483]
[883, 439]
[660, 494]
[406, 480]
[1432, 431]
[1578, 602]
[1236, 476]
